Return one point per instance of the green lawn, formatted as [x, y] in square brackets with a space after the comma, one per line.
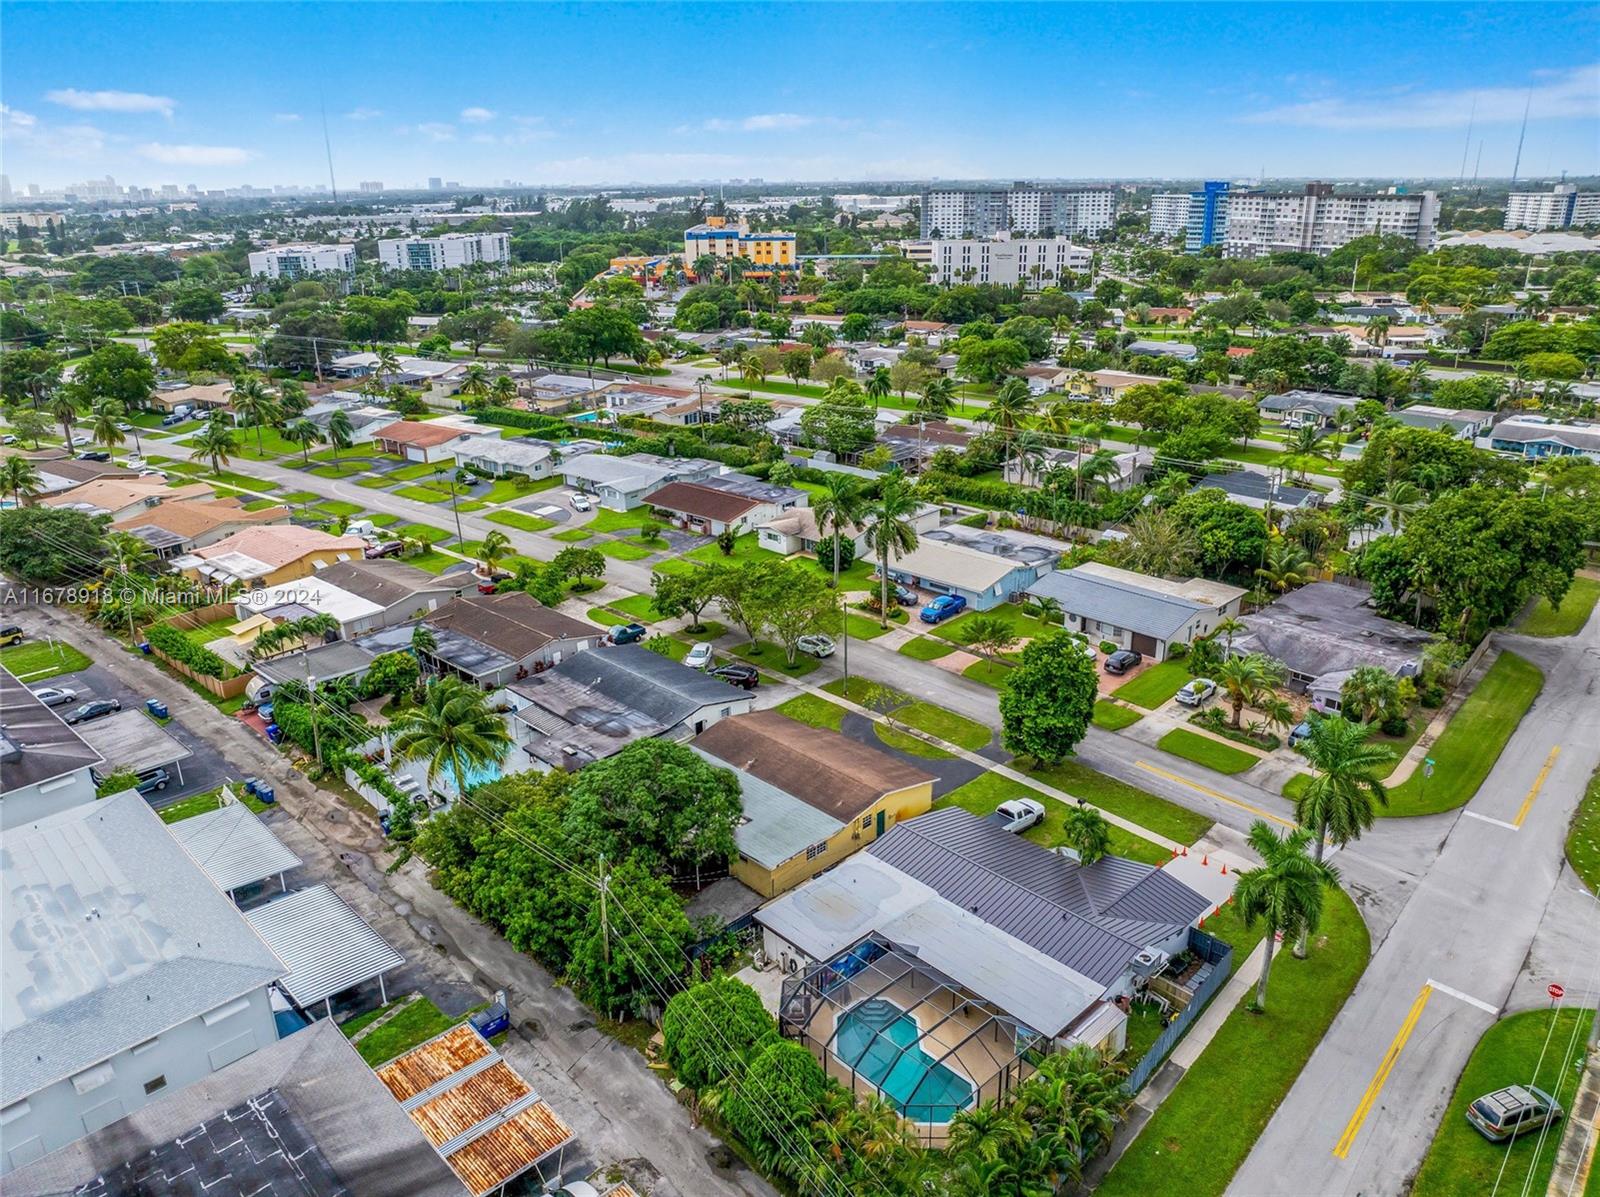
[863, 627]
[867, 693]
[1472, 742]
[959, 629]
[947, 725]
[229, 478]
[376, 482]
[1206, 1127]
[423, 532]
[1583, 839]
[37, 660]
[421, 494]
[433, 561]
[1203, 750]
[908, 743]
[1155, 685]
[570, 536]
[625, 550]
[339, 507]
[814, 710]
[417, 1023]
[637, 606]
[745, 548]
[1130, 802]
[993, 674]
[413, 473]
[983, 793]
[504, 490]
[1296, 786]
[519, 519]
[606, 520]
[1569, 618]
[926, 648]
[215, 630]
[383, 519]
[1113, 716]
[199, 804]
[260, 504]
[770, 657]
[345, 469]
[1461, 1162]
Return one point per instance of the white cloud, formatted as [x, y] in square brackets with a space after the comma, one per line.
[74, 142]
[111, 101]
[195, 155]
[1570, 93]
[437, 131]
[362, 114]
[286, 116]
[760, 122]
[477, 116]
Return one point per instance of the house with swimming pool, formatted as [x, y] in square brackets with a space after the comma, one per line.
[934, 966]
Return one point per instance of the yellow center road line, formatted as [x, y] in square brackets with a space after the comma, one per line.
[1538, 784]
[1210, 793]
[1380, 1078]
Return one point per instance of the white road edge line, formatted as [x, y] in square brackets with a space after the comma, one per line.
[1472, 814]
[1465, 997]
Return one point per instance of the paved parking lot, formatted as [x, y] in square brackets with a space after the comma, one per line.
[204, 769]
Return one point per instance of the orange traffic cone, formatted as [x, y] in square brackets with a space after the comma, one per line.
[1206, 860]
[1174, 849]
[1224, 868]
[1186, 850]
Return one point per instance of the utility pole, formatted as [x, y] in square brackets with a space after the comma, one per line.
[311, 703]
[605, 921]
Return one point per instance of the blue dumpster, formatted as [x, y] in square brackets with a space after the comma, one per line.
[265, 793]
[144, 647]
[492, 1020]
[156, 707]
[274, 734]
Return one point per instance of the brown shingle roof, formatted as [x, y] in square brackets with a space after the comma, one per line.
[195, 517]
[824, 769]
[705, 501]
[418, 433]
[514, 622]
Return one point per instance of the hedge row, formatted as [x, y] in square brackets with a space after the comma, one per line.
[177, 646]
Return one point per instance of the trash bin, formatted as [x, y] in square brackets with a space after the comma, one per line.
[156, 707]
[144, 647]
[492, 1020]
[264, 792]
[273, 733]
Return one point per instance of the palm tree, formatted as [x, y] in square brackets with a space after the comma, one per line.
[1287, 565]
[937, 398]
[496, 546]
[1398, 500]
[504, 391]
[1228, 626]
[475, 381]
[837, 509]
[19, 477]
[255, 403]
[1307, 444]
[126, 555]
[1087, 832]
[1369, 691]
[422, 641]
[1247, 678]
[388, 364]
[1286, 892]
[891, 532]
[454, 727]
[340, 433]
[878, 387]
[106, 424]
[305, 434]
[65, 409]
[1047, 609]
[216, 440]
[291, 398]
[987, 1132]
[1157, 544]
[1378, 330]
[1338, 801]
[1099, 470]
[1010, 408]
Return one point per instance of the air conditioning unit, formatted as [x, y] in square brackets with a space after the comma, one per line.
[1149, 961]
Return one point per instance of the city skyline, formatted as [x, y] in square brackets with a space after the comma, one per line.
[570, 105]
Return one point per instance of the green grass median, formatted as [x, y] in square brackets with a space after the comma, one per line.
[1203, 750]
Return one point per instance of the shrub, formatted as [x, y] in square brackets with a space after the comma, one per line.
[1177, 651]
[709, 1030]
[1107, 646]
[174, 644]
[847, 551]
[1394, 725]
[1431, 695]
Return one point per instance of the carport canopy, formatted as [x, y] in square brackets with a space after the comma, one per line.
[326, 946]
[233, 847]
[132, 740]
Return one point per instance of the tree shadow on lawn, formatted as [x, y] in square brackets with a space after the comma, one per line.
[949, 772]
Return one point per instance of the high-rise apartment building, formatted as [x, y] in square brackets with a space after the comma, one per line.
[445, 252]
[1169, 213]
[301, 261]
[1319, 221]
[1207, 218]
[372, 185]
[435, 184]
[1562, 207]
[1021, 208]
[719, 238]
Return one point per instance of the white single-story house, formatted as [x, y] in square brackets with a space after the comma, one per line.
[621, 483]
[1536, 437]
[426, 440]
[984, 567]
[796, 530]
[728, 502]
[498, 458]
[1308, 409]
[1132, 610]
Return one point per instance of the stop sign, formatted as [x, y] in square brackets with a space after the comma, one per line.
[1556, 993]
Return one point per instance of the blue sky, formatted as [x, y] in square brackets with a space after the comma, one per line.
[220, 94]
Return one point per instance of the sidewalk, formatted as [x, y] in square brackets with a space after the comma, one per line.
[1575, 1157]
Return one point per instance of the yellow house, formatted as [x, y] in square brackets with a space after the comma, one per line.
[812, 797]
[268, 555]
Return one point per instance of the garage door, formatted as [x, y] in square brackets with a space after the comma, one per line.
[1144, 644]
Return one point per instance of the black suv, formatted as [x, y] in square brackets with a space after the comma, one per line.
[1123, 660]
[746, 677]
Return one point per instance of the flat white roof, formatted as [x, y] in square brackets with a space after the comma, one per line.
[313, 593]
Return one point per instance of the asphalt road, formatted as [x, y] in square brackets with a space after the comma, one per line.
[1361, 1115]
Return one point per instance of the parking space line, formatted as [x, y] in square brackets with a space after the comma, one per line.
[1341, 1149]
[1210, 793]
[1538, 784]
[1465, 997]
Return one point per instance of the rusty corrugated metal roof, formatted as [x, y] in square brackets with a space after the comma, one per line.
[425, 1066]
[510, 1149]
[462, 1107]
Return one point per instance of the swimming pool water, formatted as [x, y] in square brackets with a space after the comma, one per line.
[920, 1088]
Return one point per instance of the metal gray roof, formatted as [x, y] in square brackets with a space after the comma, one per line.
[776, 825]
[1263, 487]
[1090, 918]
[130, 739]
[233, 846]
[310, 1093]
[1113, 602]
[35, 744]
[1324, 402]
[325, 662]
[112, 935]
[328, 947]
